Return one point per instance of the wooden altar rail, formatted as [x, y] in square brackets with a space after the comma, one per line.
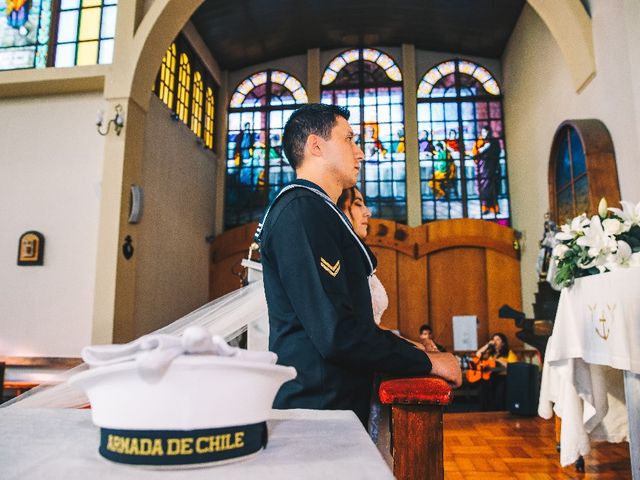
[417, 439]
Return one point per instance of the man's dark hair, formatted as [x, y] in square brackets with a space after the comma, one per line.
[426, 327]
[314, 118]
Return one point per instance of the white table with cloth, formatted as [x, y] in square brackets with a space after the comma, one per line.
[310, 444]
[591, 374]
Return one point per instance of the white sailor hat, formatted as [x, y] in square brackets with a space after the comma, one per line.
[168, 401]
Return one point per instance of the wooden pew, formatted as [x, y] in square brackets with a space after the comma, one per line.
[23, 373]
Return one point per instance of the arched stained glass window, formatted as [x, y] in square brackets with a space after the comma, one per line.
[184, 88]
[572, 182]
[582, 169]
[197, 104]
[369, 83]
[167, 76]
[24, 33]
[190, 97]
[208, 118]
[256, 167]
[86, 31]
[463, 169]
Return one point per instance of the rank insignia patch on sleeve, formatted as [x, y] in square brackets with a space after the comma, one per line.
[331, 269]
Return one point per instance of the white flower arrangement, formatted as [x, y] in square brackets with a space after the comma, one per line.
[602, 243]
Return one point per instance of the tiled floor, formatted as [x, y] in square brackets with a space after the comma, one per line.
[498, 445]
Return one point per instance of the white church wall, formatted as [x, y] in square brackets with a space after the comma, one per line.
[172, 254]
[539, 95]
[50, 173]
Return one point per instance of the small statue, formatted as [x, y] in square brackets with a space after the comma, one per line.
[547, 243]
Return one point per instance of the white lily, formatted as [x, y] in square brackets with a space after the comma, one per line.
[602, 208]
[597, 242]
[622, 257]
[559, 251]
[577, 226]
[613, 226]
[630, 213]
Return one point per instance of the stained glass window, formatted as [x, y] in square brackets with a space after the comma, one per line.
[256, 167]
[463, 167]
[572, 182]
[84, 34]
[184, 88]
[208, 118]
[167, 76]
[24, 33]
[197, 104]
[369, 83]
[86, 31]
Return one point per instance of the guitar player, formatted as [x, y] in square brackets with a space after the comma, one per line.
[492, 391]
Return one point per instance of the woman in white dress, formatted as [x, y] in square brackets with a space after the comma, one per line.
[352, 203]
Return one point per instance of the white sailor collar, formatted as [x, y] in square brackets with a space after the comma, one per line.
[312, 187]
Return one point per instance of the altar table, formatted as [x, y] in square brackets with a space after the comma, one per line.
[309, 444]
[591, 374]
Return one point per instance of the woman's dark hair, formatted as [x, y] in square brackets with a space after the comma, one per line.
[346, 198]
[311, 119]
[504, 351]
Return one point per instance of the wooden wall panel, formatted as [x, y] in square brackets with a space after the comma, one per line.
[456, 286]
[503, 287]
[226, 253]
[431, 273]
[223, 280]
[413, 307]
[387, 272]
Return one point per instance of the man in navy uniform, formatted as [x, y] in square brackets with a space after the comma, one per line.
[316, 273]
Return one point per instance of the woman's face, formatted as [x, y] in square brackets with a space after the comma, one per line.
[497, 342]
[359, 215]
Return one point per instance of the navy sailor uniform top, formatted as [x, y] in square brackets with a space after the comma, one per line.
[315, 273]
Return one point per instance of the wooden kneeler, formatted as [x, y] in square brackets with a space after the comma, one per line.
[416, 425]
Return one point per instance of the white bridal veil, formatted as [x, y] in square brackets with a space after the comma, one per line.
[227, 316]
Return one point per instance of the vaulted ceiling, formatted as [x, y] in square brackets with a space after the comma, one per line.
[241, 33]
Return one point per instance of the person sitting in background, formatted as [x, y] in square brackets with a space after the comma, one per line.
[492, 391]
[426, 338]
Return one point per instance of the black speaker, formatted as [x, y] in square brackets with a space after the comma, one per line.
[523, 388]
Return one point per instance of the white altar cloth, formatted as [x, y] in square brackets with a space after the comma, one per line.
[596, 336]
[309, 444]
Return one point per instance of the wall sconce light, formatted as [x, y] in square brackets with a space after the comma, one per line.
[117, 121]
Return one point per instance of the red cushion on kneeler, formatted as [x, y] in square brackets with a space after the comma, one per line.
[416, 391]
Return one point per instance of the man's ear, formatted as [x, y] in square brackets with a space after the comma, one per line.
[314, 145]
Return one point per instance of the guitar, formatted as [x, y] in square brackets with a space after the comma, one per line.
[480, 369]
